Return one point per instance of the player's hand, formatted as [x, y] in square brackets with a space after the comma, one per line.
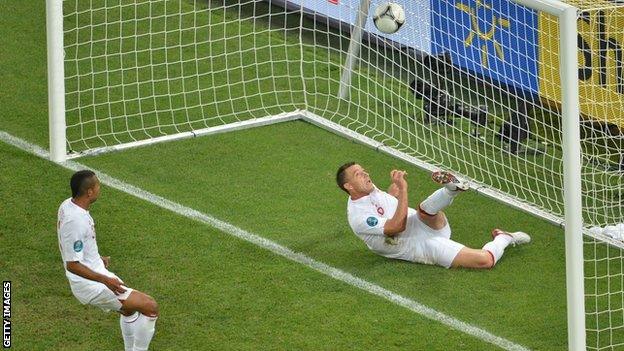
[398, 178]
[115, 285]
[106, 260]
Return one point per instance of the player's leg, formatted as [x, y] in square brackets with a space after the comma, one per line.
[436, 222]
[144, 324]
[473, 258]
[99, 295]
[126, 323]
[430, 209]
[140, 302]
[441, 250]
[501, 239]
[491, 252]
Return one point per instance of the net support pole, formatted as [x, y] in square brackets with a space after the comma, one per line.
[56, 83]
[354, 48]
[571, 144]
[572, 179]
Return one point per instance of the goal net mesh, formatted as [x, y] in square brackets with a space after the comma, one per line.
[471, 86]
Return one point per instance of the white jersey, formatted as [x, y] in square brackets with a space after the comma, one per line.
[76, 235]
[367, 217]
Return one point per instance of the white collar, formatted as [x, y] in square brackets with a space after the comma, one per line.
[80, 209]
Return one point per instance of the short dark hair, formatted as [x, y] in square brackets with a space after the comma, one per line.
[80, 182]
[341, 176]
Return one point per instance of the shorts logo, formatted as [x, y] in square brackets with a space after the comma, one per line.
[371, 221]
[78, 245]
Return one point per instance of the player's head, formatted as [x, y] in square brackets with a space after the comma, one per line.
[354, 180]
[84, 184]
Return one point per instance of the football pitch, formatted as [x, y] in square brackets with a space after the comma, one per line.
[218, 291]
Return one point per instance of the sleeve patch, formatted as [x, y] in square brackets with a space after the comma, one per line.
[372, 221]
[78, 245]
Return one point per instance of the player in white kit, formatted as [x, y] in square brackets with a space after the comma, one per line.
[90, 280]
[390, 228]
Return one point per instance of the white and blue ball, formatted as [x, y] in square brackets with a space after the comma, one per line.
[389, 17]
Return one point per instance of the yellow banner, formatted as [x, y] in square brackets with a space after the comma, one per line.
[601, 62]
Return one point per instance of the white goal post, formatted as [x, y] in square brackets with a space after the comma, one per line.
[56, 80]
[523, 97]
[573, 214]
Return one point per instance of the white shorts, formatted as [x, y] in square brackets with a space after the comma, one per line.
[96, 294]
[433, 246]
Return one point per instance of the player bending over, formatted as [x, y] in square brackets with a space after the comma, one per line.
[90, 280]
[390, 228]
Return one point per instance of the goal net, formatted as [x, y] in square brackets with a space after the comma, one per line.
[601, 78]
[473, 86]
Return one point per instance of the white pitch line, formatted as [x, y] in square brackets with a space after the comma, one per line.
[276, 248]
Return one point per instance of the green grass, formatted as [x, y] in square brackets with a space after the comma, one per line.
[217, 292]
[293, 200]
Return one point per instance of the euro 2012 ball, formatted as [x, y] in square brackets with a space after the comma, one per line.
[389, 17]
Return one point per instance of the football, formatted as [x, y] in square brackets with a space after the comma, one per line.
[389, 17]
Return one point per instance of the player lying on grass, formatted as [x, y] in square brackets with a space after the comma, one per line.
[90, 280]
[390, 228]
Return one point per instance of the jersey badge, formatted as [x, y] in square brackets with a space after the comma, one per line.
[78, 245]
[371, 221]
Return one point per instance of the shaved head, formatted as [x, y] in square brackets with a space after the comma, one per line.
[82, 181]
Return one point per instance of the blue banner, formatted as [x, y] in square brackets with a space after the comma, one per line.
[495, 39]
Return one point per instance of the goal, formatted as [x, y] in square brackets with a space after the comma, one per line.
[525, 98]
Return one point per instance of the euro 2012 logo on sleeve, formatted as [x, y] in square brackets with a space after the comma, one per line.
[372, 221]
[78, 245]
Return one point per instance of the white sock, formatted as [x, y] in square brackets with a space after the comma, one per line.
[438, 201]
[497, 246]
[127, 330]
[143, 332]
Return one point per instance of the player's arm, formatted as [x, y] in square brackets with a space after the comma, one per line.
[393, 190]
[71, 234]
[78, 268]
[398, 222]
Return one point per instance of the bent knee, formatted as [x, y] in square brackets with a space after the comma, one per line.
[435, 222]
[151, 307]
[148, 306]
[485, 260]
